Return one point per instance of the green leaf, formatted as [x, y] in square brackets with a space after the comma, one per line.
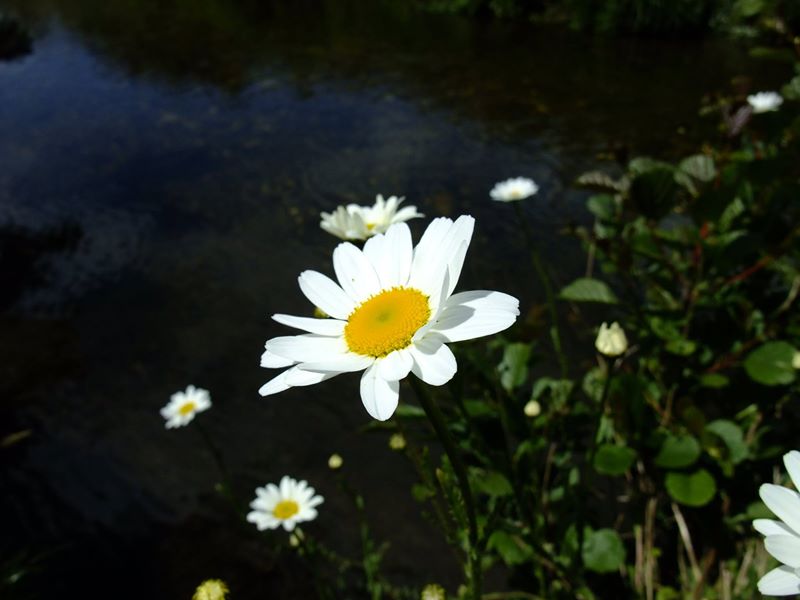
[771, 363]
[714, 380]
[613, 460]
[681, 347]
[602, 206]
[491, 483]
[603, 551]
[478, 408]
[422, 492]
[513, 368]
[732, 435]
[587, 289]
[678, 452]
[409, 411]
[653, 192]
[699, 166]
[694, 489]
[512, 549]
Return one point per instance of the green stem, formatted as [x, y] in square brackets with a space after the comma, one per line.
[225, 487]
[439, 425]
[544, 279]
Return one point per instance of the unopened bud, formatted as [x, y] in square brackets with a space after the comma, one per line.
[397, 441]
[611, 341]
[532, 409]
[335, 462]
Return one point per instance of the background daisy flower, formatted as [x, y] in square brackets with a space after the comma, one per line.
[782, 537]
[354, 222]
[183, 406]
[392, 312]
[765, 101]
[510, 190]
[287, 504]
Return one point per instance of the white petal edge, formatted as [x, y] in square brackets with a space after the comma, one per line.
[307, 347]
[355, 273]
[791, 461]
[434, 362]
[380, 397]
[474, 314]
[771, 527]
[786, 548]
[780, 582]
[293, 377]
[395, 366]
[784, 502]
[344, 363]
[328, 327]
[326, 294]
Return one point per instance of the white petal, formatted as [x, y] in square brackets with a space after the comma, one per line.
[770, 527]
[459, 239]
[399, 248]
[330, 327]
[406, 213]
[342, 363]
[293, 377]
[378, 395]
[428, 265]
[434, 362]
[786, 548]
[285, 486]
[306, 347]
[782, 581]
[355, 273]
[395, 366]
[475, 314]
[289, 524]
[273, 361]
[784, 502]
[324, 293]
[792, 462]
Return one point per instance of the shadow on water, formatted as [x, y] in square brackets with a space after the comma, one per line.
[15, 42]
[162, 169]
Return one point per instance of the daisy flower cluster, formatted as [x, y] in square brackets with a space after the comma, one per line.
[354, 222]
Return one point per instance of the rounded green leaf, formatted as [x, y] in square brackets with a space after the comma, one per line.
[694, 489]
[613, 460]
[678, 452]
[603, 551]
[771, 363]
[586, 289]
[733, 437]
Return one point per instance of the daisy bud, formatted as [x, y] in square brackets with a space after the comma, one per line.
[796, 360]
[611, 341]
[335, 462]
[433, 591]
[397, 441]
[532, 409]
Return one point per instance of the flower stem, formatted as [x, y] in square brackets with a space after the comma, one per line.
[439, 425]
[225, 488]
[544, 279]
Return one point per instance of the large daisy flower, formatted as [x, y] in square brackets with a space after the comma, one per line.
[392, 312]
[287, 504]
[354, 222]
[782, 537]
[183, 406]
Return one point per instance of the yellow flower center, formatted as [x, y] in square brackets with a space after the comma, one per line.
[285, 509]
[386, 322]
[187, 409]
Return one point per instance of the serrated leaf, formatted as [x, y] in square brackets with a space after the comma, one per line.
[693, 489]
[613, 460]
[771, 363]
[677, 452]
[587, 289]
[603, 551]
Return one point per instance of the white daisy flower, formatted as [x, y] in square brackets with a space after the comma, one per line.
[782, 537]
[287, 504]
[517, 188]
[183, 406]
[354, 222]
[611, 340]
[392, 311]
[765, 101]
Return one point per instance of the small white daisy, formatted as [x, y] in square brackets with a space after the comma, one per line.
[510, 190]
[782, 537]
[183, 406]
[765, 101]
[392, 311]
[611, 340]
[354, 222]
[288, 504]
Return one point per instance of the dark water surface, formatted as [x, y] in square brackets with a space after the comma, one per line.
[162, 169]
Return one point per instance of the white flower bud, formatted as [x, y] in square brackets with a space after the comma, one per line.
[611, 341]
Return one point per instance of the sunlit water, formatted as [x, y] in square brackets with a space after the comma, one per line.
[162, 170]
